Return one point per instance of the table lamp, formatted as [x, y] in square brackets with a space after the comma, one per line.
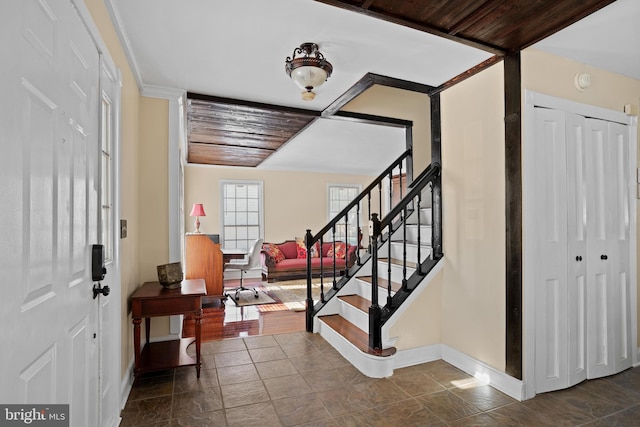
[197, 211]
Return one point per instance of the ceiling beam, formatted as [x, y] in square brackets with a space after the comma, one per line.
[365, 83]
[469, 73]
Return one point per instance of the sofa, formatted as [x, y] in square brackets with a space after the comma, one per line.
[288, 260]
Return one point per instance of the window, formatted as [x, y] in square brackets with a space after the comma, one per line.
[339, 198]
[242, 213]
[106, 167]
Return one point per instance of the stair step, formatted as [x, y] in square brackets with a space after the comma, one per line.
[354, 335]
[357, 301]
[399, 262]
[423, 244]
[382, 283]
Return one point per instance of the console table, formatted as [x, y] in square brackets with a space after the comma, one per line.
[151, 300]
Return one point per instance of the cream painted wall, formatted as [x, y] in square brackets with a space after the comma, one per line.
[129, 175]
[293, 201]
[552, 75]
[421, 324]
[154, 196]
[154, 179]
[400, 104]
[473, 188]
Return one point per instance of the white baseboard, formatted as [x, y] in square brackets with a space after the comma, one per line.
[126, 384]
[495, 378]
[416, 356]
[483, 372]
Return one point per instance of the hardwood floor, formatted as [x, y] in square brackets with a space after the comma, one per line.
[222, 320]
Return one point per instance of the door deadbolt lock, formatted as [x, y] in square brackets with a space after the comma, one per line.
[97, 289]
[579, 258]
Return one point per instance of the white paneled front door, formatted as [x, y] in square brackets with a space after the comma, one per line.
[49, 207]
[109, 310]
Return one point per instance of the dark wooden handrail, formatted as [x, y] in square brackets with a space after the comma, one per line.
[377, 314]
[396, 217]
[427, 176]
[342, 217]
[344, 212]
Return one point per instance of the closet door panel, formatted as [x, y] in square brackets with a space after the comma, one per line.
[551, 251]
[600, 321]
[619, 258]
[576, 247]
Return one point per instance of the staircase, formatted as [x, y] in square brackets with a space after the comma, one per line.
[356, 313]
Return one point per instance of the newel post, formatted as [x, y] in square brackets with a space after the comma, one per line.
[309, 301]
[375, 311]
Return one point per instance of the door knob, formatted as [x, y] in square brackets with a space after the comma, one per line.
[97, 289]
[603, 257]
[579, 258]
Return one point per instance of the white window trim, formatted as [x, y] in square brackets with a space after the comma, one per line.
[358, 188]
[260, 183]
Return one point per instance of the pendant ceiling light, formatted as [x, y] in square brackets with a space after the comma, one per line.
[308, 68]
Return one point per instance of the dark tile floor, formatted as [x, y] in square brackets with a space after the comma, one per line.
[298, 379]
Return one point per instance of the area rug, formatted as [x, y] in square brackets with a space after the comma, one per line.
[248, 298]
[292, 294]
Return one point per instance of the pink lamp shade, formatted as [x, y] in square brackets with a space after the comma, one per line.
[197, 210]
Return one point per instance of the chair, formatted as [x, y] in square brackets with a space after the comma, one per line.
[251, 260]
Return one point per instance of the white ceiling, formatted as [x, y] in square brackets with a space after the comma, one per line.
[336, 154]
[608, 39]
[237, 48]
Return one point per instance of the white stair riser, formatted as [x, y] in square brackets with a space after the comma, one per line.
[426, 217]
[397, 251]
[371, 366]
[396, 271]
[354, 315]
[412, 234]
[363, 289]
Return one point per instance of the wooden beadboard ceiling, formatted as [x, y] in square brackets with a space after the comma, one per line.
[231, 133]
[234, 133]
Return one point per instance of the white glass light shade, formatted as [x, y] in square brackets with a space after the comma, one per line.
[308, 77]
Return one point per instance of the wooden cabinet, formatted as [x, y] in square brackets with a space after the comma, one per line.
[204, 260]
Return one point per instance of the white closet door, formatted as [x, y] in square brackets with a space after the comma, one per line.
[576, 248]
[580, 242]
[601, 320]
[620, 178]
[550, 267]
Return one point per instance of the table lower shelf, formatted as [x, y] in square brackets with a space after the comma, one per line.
[160, 355]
